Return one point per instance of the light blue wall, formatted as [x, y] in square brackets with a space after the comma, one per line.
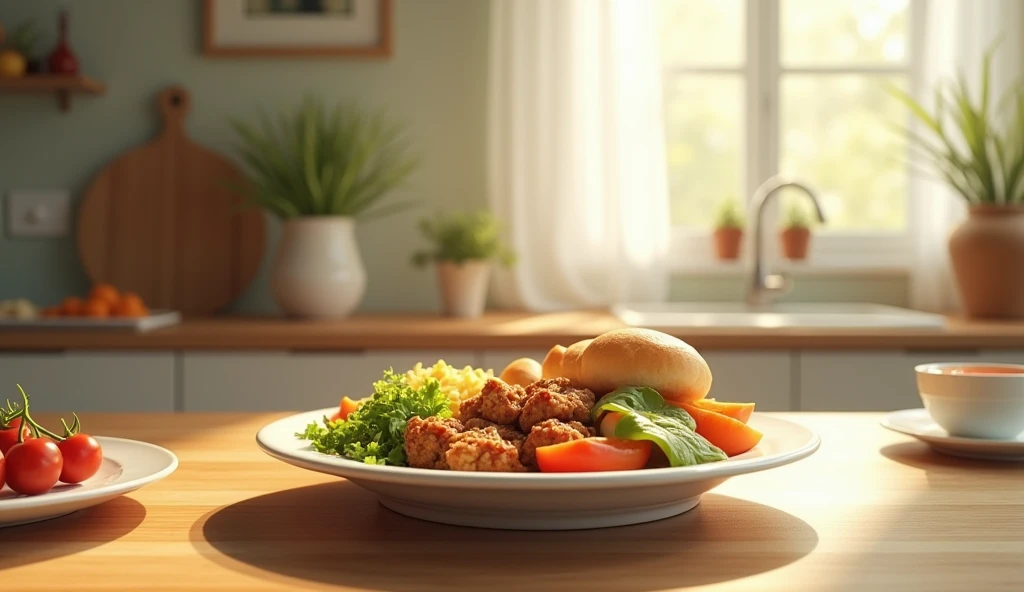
[435, 81]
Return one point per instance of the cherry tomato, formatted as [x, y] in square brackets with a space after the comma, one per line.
[9, 435]
[594, 454]
[1, 470]
[82, 458]
[33, 466]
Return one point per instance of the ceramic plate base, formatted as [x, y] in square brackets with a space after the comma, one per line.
[918, 424]
[541, 501]
[127, 466]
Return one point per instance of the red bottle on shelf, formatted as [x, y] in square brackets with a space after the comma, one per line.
[62, 61]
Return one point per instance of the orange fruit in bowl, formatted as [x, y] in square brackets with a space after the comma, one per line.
[51, 312]
[106, 293]
[71, 306]
[130, 305]
[96, 308]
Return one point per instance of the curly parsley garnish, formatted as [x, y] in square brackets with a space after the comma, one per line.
[375, 433]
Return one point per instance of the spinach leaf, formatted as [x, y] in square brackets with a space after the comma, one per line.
[682, 445]
[641, 398]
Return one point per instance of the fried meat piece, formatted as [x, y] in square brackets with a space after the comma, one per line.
[426, 441]
[554, 398]
[482, 450]
[547, 433]
[508, 433]
[498, 402]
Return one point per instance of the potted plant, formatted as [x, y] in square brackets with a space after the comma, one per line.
[15, 53]
[729, 230]
[464, 246]
[977, 148]
[796, 233]
[320, 171]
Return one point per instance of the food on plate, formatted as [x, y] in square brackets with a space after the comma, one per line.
[522, 372]
[2, 481]
[129, 305]
[594, 454]
[625, 400]
[18, 308]
[36, 459]
[731, 435]
[103, 301]
[456, 384]
[737, 411]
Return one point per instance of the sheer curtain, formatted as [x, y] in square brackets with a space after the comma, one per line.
[957, 33]
[576, 162]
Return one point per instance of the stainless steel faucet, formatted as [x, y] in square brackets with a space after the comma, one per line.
[763, 287]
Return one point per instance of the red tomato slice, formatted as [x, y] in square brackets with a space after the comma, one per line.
[594, 454]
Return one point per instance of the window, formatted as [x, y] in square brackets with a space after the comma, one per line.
[754, 88]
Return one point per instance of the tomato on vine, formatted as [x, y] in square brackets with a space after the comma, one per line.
[9, 434]
[34, 466]
[82, 458]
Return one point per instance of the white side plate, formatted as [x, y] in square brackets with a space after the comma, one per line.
[127, 466]
[537, 501]
[920, 425]
[156, 320]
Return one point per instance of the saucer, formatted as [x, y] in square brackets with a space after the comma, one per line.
[917, 423]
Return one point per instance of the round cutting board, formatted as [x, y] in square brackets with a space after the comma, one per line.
[162, 220]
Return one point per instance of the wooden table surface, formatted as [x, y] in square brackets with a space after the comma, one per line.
[872, 510]
[496, 330]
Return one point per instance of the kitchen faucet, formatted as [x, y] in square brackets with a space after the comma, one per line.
[763, 287]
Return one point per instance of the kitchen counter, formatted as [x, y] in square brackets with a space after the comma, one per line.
[499, 330]
[870, 510]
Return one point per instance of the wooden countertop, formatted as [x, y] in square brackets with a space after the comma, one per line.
[871, 510]
[502, 330]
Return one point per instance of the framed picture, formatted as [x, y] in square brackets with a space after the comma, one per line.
[297, 28]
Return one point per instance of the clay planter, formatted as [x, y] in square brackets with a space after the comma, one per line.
[727, 243]
[463, 287]
[795, 243]
[987, 252]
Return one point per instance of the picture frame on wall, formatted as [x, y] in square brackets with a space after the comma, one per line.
[297, 28]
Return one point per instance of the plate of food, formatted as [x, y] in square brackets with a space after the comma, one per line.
[609, 431]
[104, 308]
[46, 474]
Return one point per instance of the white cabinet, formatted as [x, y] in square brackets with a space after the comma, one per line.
[284, 381]
[90, 381]
[865, 380]
[762, 377]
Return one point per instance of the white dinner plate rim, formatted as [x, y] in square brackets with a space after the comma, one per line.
[943, 438]
[307, 459]
[113, 489]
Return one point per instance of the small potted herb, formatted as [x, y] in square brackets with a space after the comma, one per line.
[796, 233]
[729, 230]
[464, 244]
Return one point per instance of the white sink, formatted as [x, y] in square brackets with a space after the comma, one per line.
[796, 315]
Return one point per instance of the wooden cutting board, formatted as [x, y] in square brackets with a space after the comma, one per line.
[162, 221]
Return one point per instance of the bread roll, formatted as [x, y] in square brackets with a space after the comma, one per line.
[643, 357]
[572, 360]
[552, 366]
[524, 372]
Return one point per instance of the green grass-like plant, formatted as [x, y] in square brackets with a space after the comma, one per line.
[729, 215]
[975, 147]
[463, 236]
[318, 162]
[796, 217]
[24, 38]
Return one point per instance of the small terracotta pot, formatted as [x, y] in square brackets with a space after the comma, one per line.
[987, 252]
[727, 243]
[795, 243]
[463, 287]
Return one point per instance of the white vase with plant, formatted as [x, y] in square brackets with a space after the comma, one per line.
[464, 245]
[977, 148]
[795, 236]
[320, 171]
[729, 223]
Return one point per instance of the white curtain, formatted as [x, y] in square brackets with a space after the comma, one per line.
[576, 164]
[957, 33]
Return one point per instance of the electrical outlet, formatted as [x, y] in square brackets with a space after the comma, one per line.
[38, 214]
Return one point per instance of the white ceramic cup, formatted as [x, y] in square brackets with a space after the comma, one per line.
[974, 400]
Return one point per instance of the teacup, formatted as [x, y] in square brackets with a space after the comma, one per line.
[974, 400]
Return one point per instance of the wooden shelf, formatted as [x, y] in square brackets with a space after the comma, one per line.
[62, 86]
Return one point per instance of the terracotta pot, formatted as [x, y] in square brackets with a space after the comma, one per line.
[463, 287]
[795, 243]
[727, 242]
[987, 252]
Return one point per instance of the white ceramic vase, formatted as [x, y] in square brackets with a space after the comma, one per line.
[317, 271]
[463, 287]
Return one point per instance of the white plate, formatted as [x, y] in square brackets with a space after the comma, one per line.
[917, 423]
[535, 501]
[127, 466]
[155, 320]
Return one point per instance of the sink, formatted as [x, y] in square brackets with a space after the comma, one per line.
[792, 315]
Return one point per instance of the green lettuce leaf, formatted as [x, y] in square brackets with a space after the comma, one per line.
[640, 398]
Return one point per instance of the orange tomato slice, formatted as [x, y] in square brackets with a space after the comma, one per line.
[594, 454]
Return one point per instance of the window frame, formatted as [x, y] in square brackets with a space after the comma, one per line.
[762, 73]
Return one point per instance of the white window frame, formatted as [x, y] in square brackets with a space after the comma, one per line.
[762, 71]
